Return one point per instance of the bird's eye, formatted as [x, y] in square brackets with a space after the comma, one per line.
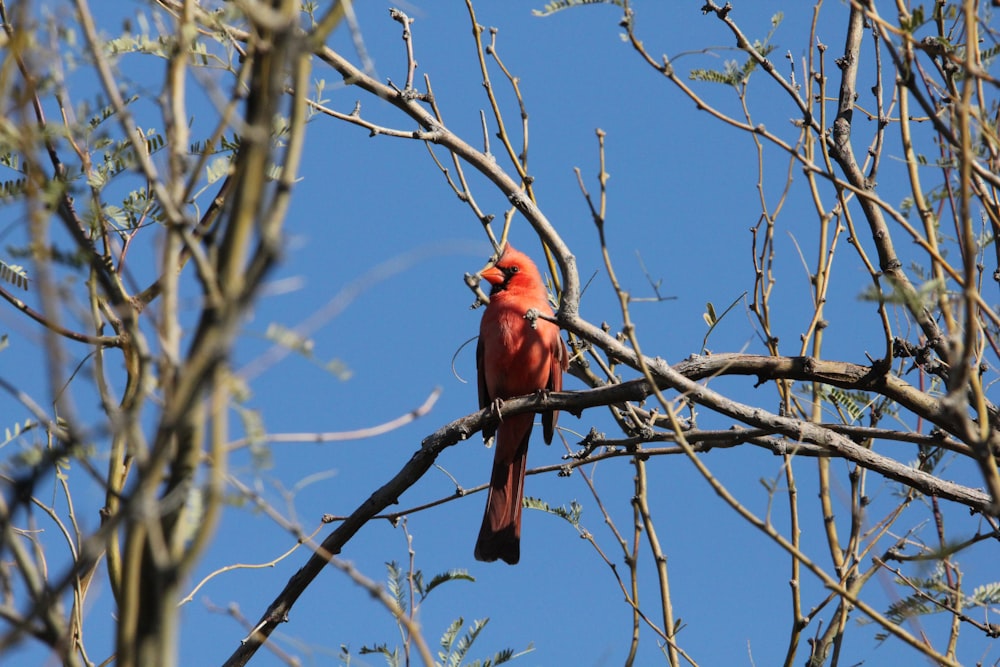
[514, 269]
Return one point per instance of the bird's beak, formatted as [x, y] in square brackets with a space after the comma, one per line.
[492, 275]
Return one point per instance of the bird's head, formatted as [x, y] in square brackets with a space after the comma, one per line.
[512, 271]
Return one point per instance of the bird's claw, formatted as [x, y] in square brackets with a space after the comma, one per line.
[489, 431]
[495, 408]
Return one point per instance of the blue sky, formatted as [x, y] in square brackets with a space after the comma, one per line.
[682, 195]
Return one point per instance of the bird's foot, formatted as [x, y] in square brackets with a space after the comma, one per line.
[543, 392]
[489, 430]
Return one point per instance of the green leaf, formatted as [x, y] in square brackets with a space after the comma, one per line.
[854, 408]
[714, 76]
[13, 188]
[559, 5]
[13, 433]
[915, 20]
[294, 341]
[117, 215]
[571, 514]
[466, 642]
[396, 583]
[391, 657]
[987, 594]
[103, 114]
[924, 298]
[217, 168]
[11, 161]
[710, 317]
[907, 608]
[14, 274]
[291, 340]
[438, 579]
[448, 638]
[338, 369]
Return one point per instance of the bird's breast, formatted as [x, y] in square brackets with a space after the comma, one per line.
[517, 356]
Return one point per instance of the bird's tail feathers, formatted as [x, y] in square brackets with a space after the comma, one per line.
[500, 534]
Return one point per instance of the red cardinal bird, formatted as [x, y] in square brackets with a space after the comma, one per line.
[515, 357]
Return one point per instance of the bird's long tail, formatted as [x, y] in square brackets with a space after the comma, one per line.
[500, 534]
